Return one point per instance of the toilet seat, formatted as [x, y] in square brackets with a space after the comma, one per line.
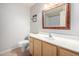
[23, 44]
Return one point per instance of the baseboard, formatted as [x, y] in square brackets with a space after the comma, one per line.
[2, 52]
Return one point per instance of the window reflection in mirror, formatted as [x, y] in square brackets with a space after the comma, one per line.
[57, 17]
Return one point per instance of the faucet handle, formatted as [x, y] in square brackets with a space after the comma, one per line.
[50, 34]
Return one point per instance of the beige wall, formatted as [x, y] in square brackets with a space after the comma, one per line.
[14, 24]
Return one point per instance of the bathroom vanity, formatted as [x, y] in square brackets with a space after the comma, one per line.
[41, 45]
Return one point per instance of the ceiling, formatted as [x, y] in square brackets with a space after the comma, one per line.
[29, 4]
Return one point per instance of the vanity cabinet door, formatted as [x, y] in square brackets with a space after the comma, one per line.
[49, 50]
[37, 47]
[64, 52]
[31, 45]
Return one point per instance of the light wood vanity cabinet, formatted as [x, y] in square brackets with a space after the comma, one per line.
[31, 45]
[65, 52]
[48, 49]
[37, 47]
[41, 48]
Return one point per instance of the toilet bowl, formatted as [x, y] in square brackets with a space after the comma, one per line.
[23, 45]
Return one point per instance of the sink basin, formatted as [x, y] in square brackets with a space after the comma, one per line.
[49, 38]
[45, 36]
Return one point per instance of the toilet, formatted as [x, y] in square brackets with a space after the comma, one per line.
[23, 45]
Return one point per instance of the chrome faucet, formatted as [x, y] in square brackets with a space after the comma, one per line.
[50, 34]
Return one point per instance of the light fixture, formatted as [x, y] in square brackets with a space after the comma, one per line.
[49, 5]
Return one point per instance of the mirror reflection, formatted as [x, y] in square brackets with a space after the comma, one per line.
[55, 17]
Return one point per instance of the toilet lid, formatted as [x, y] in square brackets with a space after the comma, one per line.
[24, 42]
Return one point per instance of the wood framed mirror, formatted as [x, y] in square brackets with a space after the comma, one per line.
[56, 17]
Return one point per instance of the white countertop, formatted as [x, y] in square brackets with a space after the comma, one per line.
[71, 44]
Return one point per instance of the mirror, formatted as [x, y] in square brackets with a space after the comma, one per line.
[56, 17]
